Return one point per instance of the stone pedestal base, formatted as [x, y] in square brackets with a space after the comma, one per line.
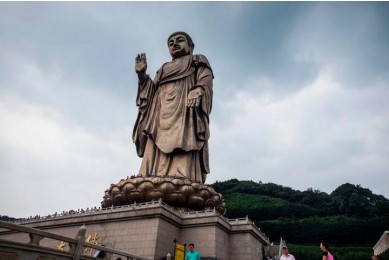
[149, 229]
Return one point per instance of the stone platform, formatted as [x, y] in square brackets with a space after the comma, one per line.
[148, 230]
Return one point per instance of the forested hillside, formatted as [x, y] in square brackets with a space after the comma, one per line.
[351, 215]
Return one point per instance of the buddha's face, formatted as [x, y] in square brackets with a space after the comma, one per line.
[178, 46]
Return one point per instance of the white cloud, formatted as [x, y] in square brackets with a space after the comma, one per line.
[48, 165]
[322, 136]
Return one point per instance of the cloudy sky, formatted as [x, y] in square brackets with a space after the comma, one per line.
[300, 94]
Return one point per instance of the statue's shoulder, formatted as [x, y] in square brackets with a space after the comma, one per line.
[201, 60]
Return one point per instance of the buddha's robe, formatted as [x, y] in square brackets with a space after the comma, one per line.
[171, 137]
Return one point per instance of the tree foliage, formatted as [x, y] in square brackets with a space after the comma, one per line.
[353, 200]
[6, 218]
[350, 215]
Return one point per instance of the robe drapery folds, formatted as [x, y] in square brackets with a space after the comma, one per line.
[171, 137]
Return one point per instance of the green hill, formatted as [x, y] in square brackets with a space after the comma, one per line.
[349, 216]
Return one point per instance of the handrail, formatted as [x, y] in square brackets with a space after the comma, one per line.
[30, 230]
[78, 244]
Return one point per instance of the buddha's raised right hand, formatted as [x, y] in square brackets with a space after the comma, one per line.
[141, 67]
[141, 63]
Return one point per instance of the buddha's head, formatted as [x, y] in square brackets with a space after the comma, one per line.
[180, 44]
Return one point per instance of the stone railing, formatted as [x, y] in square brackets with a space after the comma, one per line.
[245, 220]
[91, 211]
[154, 203]
[76, 245]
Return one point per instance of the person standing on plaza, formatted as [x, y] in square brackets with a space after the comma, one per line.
[192, 254]
[285, 254]
[327, 255]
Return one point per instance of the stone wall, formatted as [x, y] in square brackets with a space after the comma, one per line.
[149, 229]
